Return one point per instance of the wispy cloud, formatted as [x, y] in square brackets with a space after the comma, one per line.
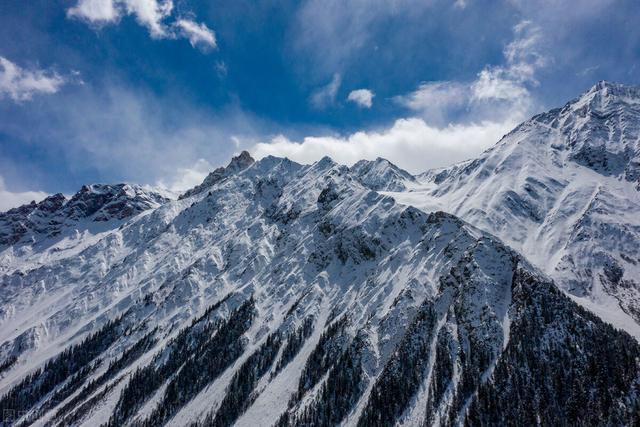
[151, 14]
[330, 33]
[95, 11]
[124, 133]
[362, 97]
[187, 177]
[455, 120]
[11, 199]
[523, 59]
[326, 95]
[21, 84]
[436, 101]
[497, 93]
[199, 35]
[460, 4]
[156, 15]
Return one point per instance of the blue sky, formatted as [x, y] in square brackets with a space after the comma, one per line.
[159, 92]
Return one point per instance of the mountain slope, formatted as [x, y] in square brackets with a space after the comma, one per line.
[293, 295]
[562, 188]
[95, 203]
[382, 175]
[237, 164]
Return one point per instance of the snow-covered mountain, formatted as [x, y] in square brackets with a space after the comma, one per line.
[280, 294]
[93, 203]
[237, 164]
[563, 188]
[382, 175]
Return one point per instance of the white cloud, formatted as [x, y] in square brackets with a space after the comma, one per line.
[186, 178]
[458, 120]
[332, 33]
[326, 95]
[437, 95]
[150, 13]
[132, 135]
[588, 70]
[21, 84]
[491, 85]
[525, 48]
[198, 34]
[362, 97]
[436, 101]
[221, 69]
[94, 10]
[498, 93]
[410, 143]
[523, 58]
[9, 199]
[155, 15]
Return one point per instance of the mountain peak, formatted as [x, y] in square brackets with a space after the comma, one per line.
[326, 161]
[381, 175]
[607, 86]
[94, 202]
[604, 94]
[599, 130]
[106, 201]
[237, 164]
[240, 162]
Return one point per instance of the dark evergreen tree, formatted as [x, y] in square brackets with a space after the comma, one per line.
[322, 358]
[239, 392]
[295, 341]
[129, 356]
[203, 366]
[403, 373]
[27, 393]
[338, 395]
[74, 416]
[441, 374]
[8, 363]
[145, 381]
[562, 366]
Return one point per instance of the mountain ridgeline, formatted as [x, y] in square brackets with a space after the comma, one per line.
[281, 294]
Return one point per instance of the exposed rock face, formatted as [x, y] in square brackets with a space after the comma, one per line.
[237, 164]
[280, 294]
[96, 202]
[563, 189]
[382, 175]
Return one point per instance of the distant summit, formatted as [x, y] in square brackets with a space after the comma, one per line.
[563, 189]
[382, 175]
[94, 203]
[237, 164]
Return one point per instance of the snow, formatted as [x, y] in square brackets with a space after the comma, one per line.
[340, 241]
[532, 192]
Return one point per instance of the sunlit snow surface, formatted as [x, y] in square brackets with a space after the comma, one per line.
[576, 220]
[324, 241]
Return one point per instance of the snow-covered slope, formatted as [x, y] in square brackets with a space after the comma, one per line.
[382, 175]
[38, 233]
[293, 295]
[563, 189]
[237, 164]
[96, 203]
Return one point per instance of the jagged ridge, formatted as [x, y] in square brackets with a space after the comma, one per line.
[294, 295]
